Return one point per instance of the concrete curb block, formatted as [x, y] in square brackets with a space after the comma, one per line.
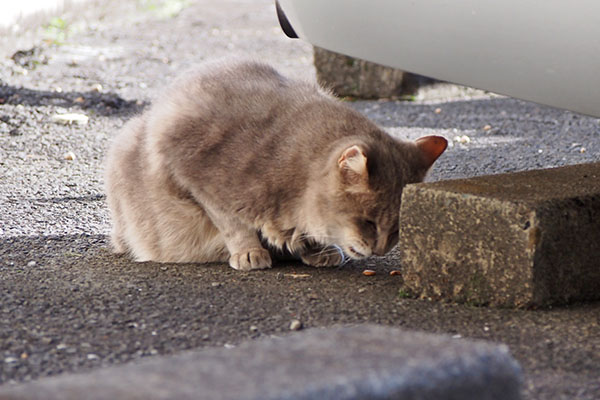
[352, 362]
[347, 76]
[524, 239]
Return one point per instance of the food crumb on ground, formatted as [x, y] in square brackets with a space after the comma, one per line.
[295, 325]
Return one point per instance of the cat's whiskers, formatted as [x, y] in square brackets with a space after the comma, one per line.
[334, 250]
[325, 240]
[326, 251]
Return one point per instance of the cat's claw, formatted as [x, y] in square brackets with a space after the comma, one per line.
[257, 258]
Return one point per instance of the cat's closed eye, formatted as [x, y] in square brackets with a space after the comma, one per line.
[393, 236]
[371, 225]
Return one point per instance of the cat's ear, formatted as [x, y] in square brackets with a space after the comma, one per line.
[431, 148]
[353, 166]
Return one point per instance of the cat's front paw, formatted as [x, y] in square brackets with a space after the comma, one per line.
[327, 257]
[257, 258]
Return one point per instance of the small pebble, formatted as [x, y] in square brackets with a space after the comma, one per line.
[31, 264]
[61, 346]
[10, 360]
[79, 100]
[70, 118]
[295, 325]
[69, 156]
[92, 356]
[216, 284]
[97, 88]
[582, 150]
[297, 275]
[362, 290]
[437, 110]
[487, 127]
[464, 139]
[368, 272]
[253, 328]
[229, 345]
[24, 356]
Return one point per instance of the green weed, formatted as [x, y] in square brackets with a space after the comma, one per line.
[404, 293]
[56, 31]
[164, 8]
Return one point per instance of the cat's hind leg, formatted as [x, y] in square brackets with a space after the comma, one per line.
[117, 236]
[187, 234]
[117, 242]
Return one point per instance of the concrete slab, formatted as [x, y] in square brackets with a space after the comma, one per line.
[352, 362]
[521, 239]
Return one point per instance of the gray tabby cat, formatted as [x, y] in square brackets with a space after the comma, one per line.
[234, 153]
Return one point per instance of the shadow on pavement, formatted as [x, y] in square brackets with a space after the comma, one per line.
[105, 104]
[68, 304]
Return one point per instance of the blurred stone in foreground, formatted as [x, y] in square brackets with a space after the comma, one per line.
[344, 362]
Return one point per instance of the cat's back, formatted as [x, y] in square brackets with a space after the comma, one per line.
[236, 87]
[234, 111]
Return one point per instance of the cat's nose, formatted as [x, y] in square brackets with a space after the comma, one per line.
[380, 249]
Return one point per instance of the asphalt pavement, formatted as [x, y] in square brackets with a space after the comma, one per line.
[67, 304]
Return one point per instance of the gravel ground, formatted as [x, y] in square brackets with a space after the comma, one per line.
[68, 304]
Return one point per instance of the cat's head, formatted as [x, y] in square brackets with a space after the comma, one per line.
[359, 211]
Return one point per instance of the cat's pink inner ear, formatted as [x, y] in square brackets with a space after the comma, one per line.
[431, 148]
[353, 164]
